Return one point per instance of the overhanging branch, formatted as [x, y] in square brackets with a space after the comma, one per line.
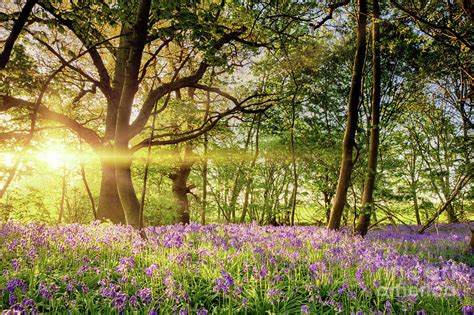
[209, 123]
[89, 135]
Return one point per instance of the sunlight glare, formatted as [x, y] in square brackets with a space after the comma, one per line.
[54, 158]
[8, 159]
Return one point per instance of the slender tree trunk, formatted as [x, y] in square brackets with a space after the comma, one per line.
[110, 207]
[86, 184]
[327, 198]
[204, 181]
[63, 196]
[88, 191]
[345, 171]
[414, 188]
[205, 160]
[246, 202]
[415, 205]
[367, 196]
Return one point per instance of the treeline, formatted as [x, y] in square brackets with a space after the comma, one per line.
[275, 113]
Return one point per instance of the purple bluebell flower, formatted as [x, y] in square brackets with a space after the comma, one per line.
[201, 311]
[14, 284]
[16, 264]
[468, 310]
[388, 307]
[149, 271]
[45, 291]
[144, 295]
[304, 309]
[342, 289]
[224, 284]
[120, 301]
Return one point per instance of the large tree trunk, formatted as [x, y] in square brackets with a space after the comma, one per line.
[180, 186]
[128, 196]
[367, 197]
[180, 193]
[110, 207]
[352, 119]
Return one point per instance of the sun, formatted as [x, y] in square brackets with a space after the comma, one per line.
[54, 158]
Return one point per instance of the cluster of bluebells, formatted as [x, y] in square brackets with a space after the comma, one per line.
[195, 269]
[224, 284]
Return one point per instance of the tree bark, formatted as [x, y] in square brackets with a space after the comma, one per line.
[110, 207]
[180, 193]
[352, 119]
[180, 187]
[367, 196]
[126, 192]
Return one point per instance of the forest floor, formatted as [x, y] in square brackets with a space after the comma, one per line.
[215, 269]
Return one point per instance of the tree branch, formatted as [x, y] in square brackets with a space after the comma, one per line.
[17, 27]
[93, 53]
[166, 88]
[206, 126]
[89, 135]
[446, 31]
[331, 8]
